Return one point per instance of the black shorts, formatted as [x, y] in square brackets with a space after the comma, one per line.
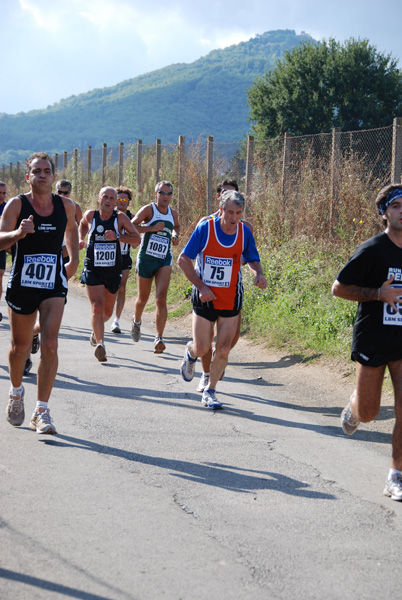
[212, 314]
[126, 262]
[97, 277]
[28, 302]
[376, 360]
[3, 258]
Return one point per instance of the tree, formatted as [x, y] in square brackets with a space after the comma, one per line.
[318, 86]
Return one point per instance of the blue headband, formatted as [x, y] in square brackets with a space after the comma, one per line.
[385, 202]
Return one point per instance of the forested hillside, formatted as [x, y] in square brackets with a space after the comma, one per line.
[206, 97]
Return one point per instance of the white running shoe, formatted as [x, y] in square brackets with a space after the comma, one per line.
[115, 328]
[210, 401]
[135, 331]
[203, 382]
[100, 353]
[187, 368]
[15, 409]
[42, 422]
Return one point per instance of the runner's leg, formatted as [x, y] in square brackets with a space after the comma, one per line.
[162, 279]
[226, 331]
[21, 327]
[50, 315]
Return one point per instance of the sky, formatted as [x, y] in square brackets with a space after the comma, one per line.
[54, 49]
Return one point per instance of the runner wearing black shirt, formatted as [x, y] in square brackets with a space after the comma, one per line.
[373, 278]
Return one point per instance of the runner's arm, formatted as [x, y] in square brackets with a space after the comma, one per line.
[71, 238]
[142, 217]
[259, 279]
[186, 265]
[357, 293]
[131, 235]
[84, 226]
[176, 228]
[8, 234]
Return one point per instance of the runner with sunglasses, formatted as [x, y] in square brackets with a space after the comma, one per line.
[159, 227]
[124, 197]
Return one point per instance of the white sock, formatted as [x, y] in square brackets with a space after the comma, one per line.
[205, 374]
[137, 322]
[394, 474]
[116, 321]
[16, 391]
[40, 404]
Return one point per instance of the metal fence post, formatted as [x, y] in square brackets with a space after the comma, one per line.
[158, 161]
[181, 171]
[335, 158]
[121, 146]
[249, 164]
[210, 172]
[287, 149]
[104, 151]
[396, 165]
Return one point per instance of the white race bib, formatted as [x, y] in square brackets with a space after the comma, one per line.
[104, 255]
[39, 271]
[157, 246]
[217, 271]
[390, 317]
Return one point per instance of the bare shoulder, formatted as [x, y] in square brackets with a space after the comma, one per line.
[143, 214]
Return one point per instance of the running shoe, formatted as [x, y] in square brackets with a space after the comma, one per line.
[210, 401]
[28, 366]
[393, 488]
[92, 339]
[187, 368]
[223, 374]
[35, 343]
[159, 346]
[135, 331]
[115, 327]
[100, 353]
[203, 382]
[42, 422]
[15, 409]
[349, 423]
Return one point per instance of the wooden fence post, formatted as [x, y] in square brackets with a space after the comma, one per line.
[65, 161]
[210, 172]
[56, 162]
[89, 164]
[249, 164]
[75, 173]
[158, 161]
[181, 172]
[121, 146]
[104, 151]
[139, 165]
[10, 171]
[396, 165]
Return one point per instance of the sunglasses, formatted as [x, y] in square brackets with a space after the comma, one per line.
[123, 200]
[63, 192]
[165, 193]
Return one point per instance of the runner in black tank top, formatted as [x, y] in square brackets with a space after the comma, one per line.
[102, 266]
[34, 225]
[124, 197]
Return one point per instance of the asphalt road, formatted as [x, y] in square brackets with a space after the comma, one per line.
[144, 494]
